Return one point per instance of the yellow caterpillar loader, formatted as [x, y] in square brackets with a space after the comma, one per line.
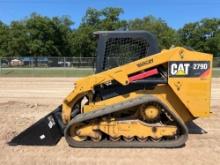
[139, 97]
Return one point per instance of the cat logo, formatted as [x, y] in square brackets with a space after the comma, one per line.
[179, 69]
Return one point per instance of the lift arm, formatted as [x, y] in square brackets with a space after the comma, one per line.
[120, 74]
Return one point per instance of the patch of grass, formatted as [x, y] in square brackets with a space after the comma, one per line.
[216, 72]
[57, 72]
[45, 72]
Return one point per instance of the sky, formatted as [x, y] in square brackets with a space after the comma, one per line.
[175, 12]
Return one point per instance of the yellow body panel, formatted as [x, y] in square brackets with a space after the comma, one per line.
[189, 97]
[162, 92]
[128, 128]
[195, 93]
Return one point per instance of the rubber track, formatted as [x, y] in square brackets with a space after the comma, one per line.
[179, 142]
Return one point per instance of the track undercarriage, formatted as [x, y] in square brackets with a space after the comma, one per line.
[140, 122]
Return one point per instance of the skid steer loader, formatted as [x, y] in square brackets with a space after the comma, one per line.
[139, 97]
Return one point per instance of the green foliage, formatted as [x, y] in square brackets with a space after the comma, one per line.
[17, 39]
[111, 19]
[92, 17]
[35, 36]
[43, 36]
[51, 39]
[166, 36]
[3, 39]
[105, 19]
[203, 36]
[83, 40]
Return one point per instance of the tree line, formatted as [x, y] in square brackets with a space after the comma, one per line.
[39, 35]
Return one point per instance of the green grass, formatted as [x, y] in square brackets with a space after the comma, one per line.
[216, 72]
[45, 72]
[57, 72]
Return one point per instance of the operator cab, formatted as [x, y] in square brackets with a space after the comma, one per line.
[116, 48]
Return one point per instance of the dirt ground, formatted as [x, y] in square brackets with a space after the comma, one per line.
[25, 100]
